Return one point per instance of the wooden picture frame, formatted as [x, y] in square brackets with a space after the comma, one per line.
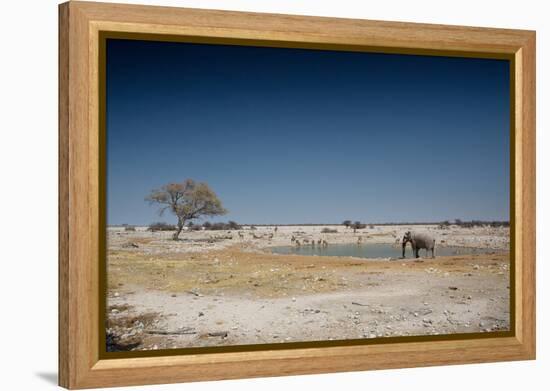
[80, 189]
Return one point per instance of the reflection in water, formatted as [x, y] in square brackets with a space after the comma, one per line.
[373, 250]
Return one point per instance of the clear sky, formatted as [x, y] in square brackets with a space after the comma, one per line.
[307, 136]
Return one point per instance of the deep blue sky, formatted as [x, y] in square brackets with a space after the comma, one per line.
[306, 136]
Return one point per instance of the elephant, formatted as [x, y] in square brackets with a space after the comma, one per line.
[418, 241]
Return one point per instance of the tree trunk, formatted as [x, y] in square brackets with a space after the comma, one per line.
[180, 228]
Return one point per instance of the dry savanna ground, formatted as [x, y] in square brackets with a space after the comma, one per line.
[215, 288]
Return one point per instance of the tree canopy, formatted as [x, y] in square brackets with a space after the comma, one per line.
[187, 200]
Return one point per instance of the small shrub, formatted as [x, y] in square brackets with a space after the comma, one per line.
[218, 227]
[444, 224]
[129, 228]
[329, 230]
[233, 225]
[358, 225]
[161, 227]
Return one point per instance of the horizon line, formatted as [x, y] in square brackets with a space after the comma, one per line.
[318, 224]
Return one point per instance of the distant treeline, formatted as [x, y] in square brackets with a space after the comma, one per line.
[475, 223]
[232, 225]
[364, 225]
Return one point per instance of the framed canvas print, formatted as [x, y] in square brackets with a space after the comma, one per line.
[251, 195]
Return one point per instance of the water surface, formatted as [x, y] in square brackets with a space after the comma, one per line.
[373, 250]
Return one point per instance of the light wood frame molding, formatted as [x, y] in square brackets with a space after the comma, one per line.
[80, 24]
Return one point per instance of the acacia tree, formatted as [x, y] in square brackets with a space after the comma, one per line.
[187, 200]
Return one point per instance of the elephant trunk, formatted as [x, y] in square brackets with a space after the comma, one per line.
[404, 245]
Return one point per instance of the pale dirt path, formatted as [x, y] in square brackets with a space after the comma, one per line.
[394, 304]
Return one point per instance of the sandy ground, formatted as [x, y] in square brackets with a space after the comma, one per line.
[215, 288]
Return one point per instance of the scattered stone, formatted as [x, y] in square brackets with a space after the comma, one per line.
[194, 293]
[182, 331]
[222, 334]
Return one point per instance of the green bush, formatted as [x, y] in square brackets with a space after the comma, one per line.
[161, 227]
[358, 225]
[233, 225]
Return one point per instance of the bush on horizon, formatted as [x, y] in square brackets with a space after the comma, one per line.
[231, 225]
[160, 226]
[358, 225]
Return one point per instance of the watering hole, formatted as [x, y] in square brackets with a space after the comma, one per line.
[374, 250]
